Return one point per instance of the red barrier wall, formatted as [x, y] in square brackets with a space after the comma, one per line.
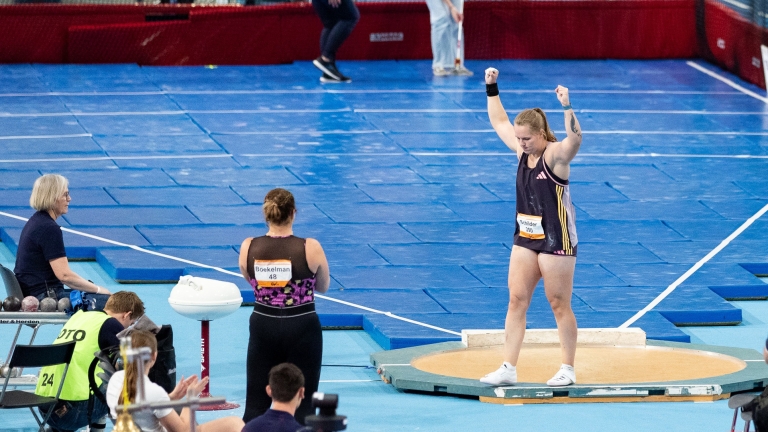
[48, 33]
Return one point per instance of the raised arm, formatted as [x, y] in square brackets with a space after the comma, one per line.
[572, 142]
[496, 114]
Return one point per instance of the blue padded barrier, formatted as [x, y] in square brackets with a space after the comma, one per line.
[686, 305]
[128, 215]
[128, 265]
[118, 178]
[142, 125]
[455, 195]
[405, 277]
[388, 212]
[158, 145]
[178, 195]
[249, 214]
[461, 232]
[585, 275]
[306, 194]
[236, 175]
[736, 209]
[757, 269]
[426, 254]
[741, 292]
[283, 144]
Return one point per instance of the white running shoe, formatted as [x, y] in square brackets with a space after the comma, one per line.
[501, 376]
[564, 377]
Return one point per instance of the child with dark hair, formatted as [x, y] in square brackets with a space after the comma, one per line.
[286, 388]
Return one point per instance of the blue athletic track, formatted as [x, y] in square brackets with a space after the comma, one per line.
[401, 178]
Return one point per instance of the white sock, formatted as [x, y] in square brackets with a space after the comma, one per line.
[567, 367]
[508, 365]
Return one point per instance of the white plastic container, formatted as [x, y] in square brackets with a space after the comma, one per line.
[204, 299]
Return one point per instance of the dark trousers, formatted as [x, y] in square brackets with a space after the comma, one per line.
[297, 340]
[338, 23]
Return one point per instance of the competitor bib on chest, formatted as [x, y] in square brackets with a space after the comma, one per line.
[530, 226]
[272, 274]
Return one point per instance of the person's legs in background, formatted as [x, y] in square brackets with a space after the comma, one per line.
[338, 23]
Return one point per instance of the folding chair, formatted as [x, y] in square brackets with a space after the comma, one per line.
[738, 403]
[36, 356]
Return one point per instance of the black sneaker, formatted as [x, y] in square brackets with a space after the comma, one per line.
[329, 79]
[329, 68]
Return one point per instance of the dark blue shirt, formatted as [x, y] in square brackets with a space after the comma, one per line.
[273, 421]
[41, 241]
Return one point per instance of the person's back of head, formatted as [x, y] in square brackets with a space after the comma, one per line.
[285, 381]
[139, 339]
[125, 301]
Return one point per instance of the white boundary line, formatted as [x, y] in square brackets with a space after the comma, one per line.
[696, 267]
[727, 81]
[113, 158]
[221, 270]
[82, 135]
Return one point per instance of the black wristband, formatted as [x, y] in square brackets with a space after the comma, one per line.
[492, 89]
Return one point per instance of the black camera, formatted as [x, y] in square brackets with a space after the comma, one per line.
[326, 419]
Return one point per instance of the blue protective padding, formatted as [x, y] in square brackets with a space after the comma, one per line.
[717, 230]
[130, 216]
[82, 247]
[399, 101]
[758, 269]
[305, 195]
[485, 141]
[580, 192]
[258, 101]
[80, 197]
[358, 174]
[739, 123]
[178, 195]
[116, 103]
[245, 289]
[461, 232]
[432, 121]
[117, 178]
[666, 274]
[497, 173]
[249, 214]
[48, 148]
[141, 125]
[37, 126]
[388, 212]
[741, 292]
[426, 193]
[736, 209]
[131, 265]
[735, 101]
[443, 253]
[220, 161]
[405, 277]
[23, 178]
[275, 122]
[158, 145]
[654, 122]
[598, 253]
[736, 148]
[282, 144]
[200, 176]
[351, 255]
[635, 175]
[681, 190]
[741, 251]
[612, 231]
[585, 275]
[94, 78]
[644, 210]
[199, 235]
[757, 189]
[685, 305]
[394, 301]
[493, 300]
[714, 169]
[358, 233]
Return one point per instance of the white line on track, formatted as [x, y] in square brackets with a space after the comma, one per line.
[695, 267]
[221, 270]
[112, 158]
[726, 81]
[15, 137]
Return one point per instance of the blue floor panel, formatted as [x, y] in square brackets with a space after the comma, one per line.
[680, 190]
[141, 125]
[437, 142]
[122, 146]
[128, 265]
[304, 195]
[119, 103]
[286, 144]
[80, 197]
[666, 274]
[736, 209]
[130, 216]
[39, 126]
[597, 253]
[388, 212]
[585, 275]
[459, 194]
[429, 254]
[493, 300]
[199, 235]
[644, 210]
[405, 277]
[458, 232]
[275, 122]
[249, 214]
[47, 148]
[593, 230]
[83, 247]
[199, 176]
[175, 195]
[114, 178]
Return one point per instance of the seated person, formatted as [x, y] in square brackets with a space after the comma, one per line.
[165, 419]
[42, 267]
[93, 331]
[286, 388]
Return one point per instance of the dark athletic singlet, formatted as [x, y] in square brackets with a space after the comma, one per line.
[284, 276]
[545, 215]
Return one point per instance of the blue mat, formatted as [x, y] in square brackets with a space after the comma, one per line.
[121, 146]
[306, 194]
[81, 247]
[127, 215]
[128, 265]
[586, 274]
[428, 254]
[175, 195]
[307, 143]
[453, 193]
[410, 277]
[80, 197]
[114, 178]
[251, 214]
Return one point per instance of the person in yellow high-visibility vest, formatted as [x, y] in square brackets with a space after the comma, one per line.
[93, 331]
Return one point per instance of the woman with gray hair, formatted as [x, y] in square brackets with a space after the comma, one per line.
[42, 267]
